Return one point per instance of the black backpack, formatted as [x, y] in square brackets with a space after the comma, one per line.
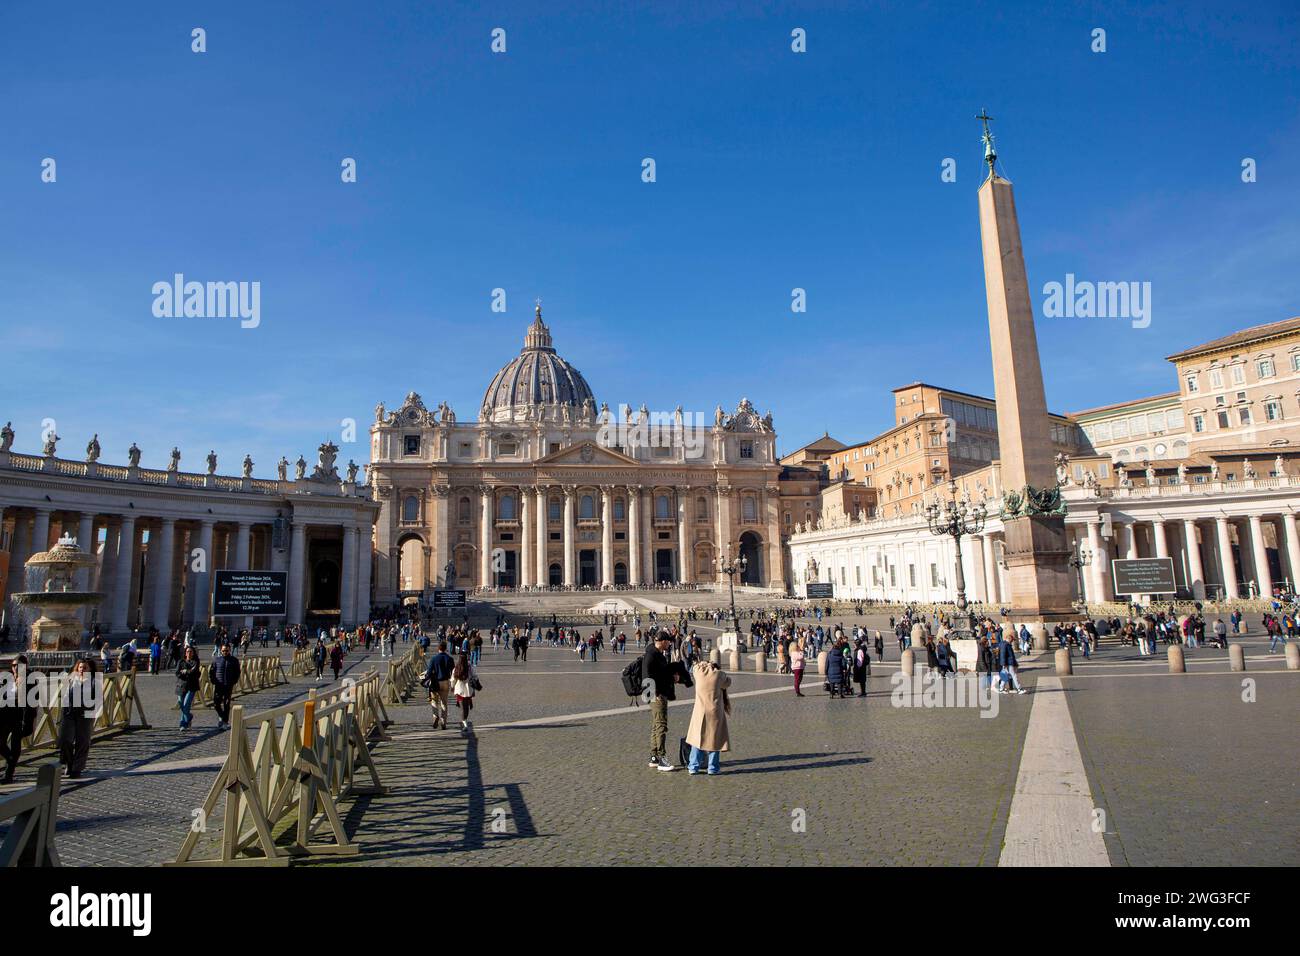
[632, 679]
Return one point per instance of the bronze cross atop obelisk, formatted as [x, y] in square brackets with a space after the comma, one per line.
[990, 154]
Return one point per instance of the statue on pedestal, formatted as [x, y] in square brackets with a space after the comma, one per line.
[212, 461]
[379, 414]
[1214, 471]
[300, 468]
[1279, 467]
[1182, 472]
[92, 449]
[51, 444]
[133, 455]
[352, 472]
[248, 466]
[7, 436]
[1248, 469]
[175, 463]
[282, 468]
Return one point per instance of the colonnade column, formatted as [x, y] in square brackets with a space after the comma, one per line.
[1096, 565]
[41, 531]
[568, 537]
[606, 537]
[365, 555]
[86, 542]
[526, 548]
[122, 571]
[348, 578]
[297, 569]
[1130, 540]
[1230, 589]
[683, 555]
[991, 571]
[1162, 539]
[485, 538]
[162, 558]
[543, 568]
[1195, 570]
[1263, 576]
[977, 564]
[243, 541]
[634, 535]
[1292, 549]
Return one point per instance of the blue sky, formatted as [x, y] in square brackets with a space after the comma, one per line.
[522, 171]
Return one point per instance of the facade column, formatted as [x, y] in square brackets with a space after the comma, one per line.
[978, 578]
[122, 572]
[297, 568]
[348, 578]
[365, 557]
[1195, 571]
[1229, 566]
[606, 537]
[1130, 540]
[543, 566]
[526, 547]
[441, 537]
[1162, 540]
[991, 571]
[775, 561]
[1292, 550]
[1263, 576]
[485, 537]
[108, 571]
[634, 535]
[20, 551]
[568, 537]
[40, 531]
[683, 554]
[243, 547]
[1096, 565]
[161, 558]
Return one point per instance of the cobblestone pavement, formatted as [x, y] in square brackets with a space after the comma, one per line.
[555, 771]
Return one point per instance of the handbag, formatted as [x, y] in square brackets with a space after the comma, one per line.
[476, 684]
[683, 752]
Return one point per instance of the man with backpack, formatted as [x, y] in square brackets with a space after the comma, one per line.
[658, 677]
[437, 678]
[224, 674]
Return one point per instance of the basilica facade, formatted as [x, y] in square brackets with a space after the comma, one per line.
[546, 490]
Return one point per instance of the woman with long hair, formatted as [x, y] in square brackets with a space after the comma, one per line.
[796, 664]
[464, 684]
[81, 705]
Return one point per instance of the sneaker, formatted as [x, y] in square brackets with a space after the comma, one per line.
[665, 766]
[1022, 691]
[693, 773]
[654, 763]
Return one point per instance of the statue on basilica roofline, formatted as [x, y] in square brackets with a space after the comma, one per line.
[51, 444]
[174, 464]
[7, 436]
[604, 414]
[212, 461]
[282, 468]
[352, 472]
[719, 417]
[325, 467]
[248, 466]
[93, 449]
[133, 455]
[300, 468]
[379, 414]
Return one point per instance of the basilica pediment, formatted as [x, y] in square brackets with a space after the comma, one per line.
[587, 453]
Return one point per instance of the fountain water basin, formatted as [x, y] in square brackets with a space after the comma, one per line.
[59, 604]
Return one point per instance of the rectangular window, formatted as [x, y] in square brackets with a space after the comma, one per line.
[1119, 429]
[1156, 422]
[1239, 374]
[1223, 420]
[465, 449]
[1216, 378]
[1295, 362]
[746, 449]
[1193, 384]
[1265, 367]
[1272, 411]
[1174, 419]
[1137, 425]
[1245, 415]
[911, 575]
[934, 575]
[507, 448]
[411, 444]
[1198, 423]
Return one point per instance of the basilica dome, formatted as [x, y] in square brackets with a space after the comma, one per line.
[537, 384]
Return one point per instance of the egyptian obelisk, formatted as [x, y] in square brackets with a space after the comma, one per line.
[1037, 552]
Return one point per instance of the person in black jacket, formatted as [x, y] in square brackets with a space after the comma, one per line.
[16, 719]
[224, 672]
[187, 685]
[658, 677]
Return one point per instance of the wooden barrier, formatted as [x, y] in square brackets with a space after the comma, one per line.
[256, 672]
[402, 673]
[120, 701]
[306, 757]
[29, 840]
[303, 665]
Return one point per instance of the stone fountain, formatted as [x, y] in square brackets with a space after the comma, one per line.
[59, 626]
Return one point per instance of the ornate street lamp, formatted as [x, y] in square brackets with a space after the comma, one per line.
[955, 519]
[1079, 560]
[731, 569]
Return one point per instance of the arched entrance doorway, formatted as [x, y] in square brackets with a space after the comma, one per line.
[555, 575]
[411, 572]
[620, 573]
[751, 549]
[324, 586]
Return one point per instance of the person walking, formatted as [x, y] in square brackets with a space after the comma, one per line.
[17, 719]
[861, 666]
[336, 659]
[224, 674]
[82, 703]
[658, 672]
[707, 731]
[880, 647]
[187, 685]
[796, 664]
[438, 680]
[464, 684]
[319, 656]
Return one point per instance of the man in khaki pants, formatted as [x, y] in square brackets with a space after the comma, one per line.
[437, 677]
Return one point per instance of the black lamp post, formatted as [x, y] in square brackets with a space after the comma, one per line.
[955, 519]
[1079, 560]
[730, 569]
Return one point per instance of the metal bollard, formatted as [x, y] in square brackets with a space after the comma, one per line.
[1064, 667]
[1236, 657]
[760, 662]
[909, 662]
[1177, 664]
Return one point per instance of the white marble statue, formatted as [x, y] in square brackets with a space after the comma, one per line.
[7, 436]
[282, 468]
[1182, 472]
[1214, 471]
[93, 449]
[212, 461]
[1248, 469]
[1279, 467]
[379, 414]
[248, 466]
[51, 445]
[300, 468]
[175, 463]
[352, 472]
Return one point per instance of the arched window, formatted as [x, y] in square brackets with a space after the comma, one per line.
[701, 509]
[588, 507]
[662, 509]
[554, 509]
[506, 507]
[463, 511]
[749, 509]
[410, 508]
[618, 509]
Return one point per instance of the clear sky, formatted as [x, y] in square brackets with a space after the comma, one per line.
[522, 171]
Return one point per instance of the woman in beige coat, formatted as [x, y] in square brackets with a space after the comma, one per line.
[707, 733]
